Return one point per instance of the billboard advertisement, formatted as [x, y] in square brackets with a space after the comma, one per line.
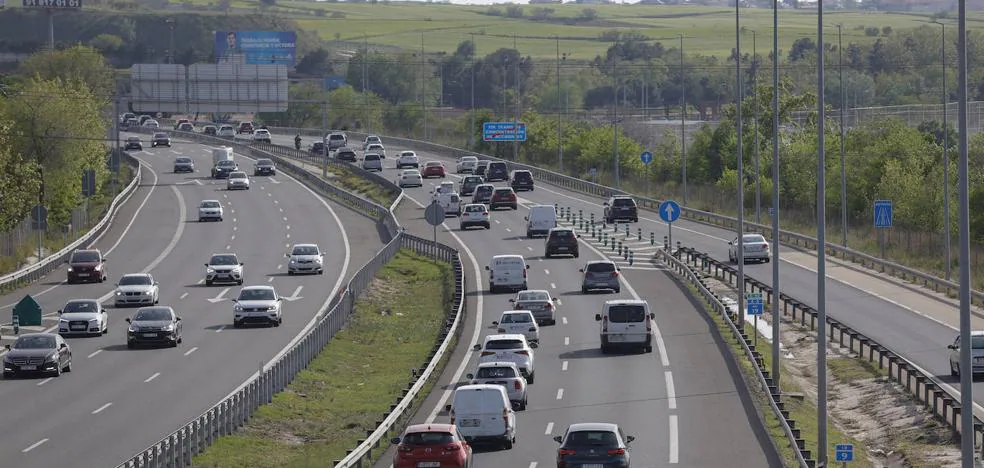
[256, 47]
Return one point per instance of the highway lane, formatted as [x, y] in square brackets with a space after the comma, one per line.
[683, 391]
[138, 396]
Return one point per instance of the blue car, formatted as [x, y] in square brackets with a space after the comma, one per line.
[593, 444]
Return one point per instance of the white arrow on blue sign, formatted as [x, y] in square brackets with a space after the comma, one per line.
[669, 211]
[646, 157]
[883, 213]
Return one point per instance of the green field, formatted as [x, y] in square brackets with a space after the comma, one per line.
[706, 30]
[347, 388]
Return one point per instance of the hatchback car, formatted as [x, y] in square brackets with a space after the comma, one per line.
[468, 184]
[621, 208]
[376, 148]
[475, 214]
[184, 164]
[483, 193]
[245, 127]
[520, 322]
[224, 268]
[407, 159]
[372, 162]
[262, 136]
[87, 265]
[209, 209]
[210, 130]
[257, 305]
[185, 127]
[976, 351]
[410, 178]
[264, 166]
[481, 167]
[150, 123]
[37, 353]
[600, 274]
[431, 445]
[133, 143]
[466, 164]
[561, 241]
[160, 139]
[539, 302]
[346, 154]
[510, 348]
[318, 148]
[227, 131]
[83, 317]
[371, 140]
[154, 325]
[506, 374]
[238, 180]
[305, 258]
[593, 444]
[137, 289]
[433, 169]
[504, 198]
[755, 249]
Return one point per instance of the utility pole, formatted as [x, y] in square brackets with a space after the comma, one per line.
[740, 163]
[519, 99]
[170, 50]
[365, 79]
[946, 163]
[683, 122]
[560, 132]
[618, 177]
[51, 35]
[775, 197]
[758, 156]
[843, 133]
[966, 377]
[324, 144]
[471, 137]
[423, 89]
[821, 249]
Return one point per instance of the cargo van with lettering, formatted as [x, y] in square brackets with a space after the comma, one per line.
[483, 413]
[508, 273]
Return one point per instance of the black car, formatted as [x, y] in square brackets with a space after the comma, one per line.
[481, 167]
[561, 241]
[317, 148]
[133, 143]
[154, 326]
[621, 208]
[264, 167]
[346, 154]
[210, 130]
[160, 139]
[521, 180]
[223, 169]
[593, 444]
[37, 353]
[496, 171]
[468, 184]
[184, 164]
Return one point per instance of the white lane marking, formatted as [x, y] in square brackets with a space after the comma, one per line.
[508, 230]
[45, 381]
[560, 393]
[233, 212]
[101, 408]
[674, 440]
[191, 351]
[529, 248]
[228, 246]
[563, 320]
[670, 390]
[549, 428]
[270, 280]
[281, 210]
[553, 286]
[152, 377]
[546, 271]
[279, 267]
[288, 236]
[94, 353]
[34, 445]
[201, 281]
[219, 330]
[234, 228]
[288, 227]
[567, 341]
[233, 237]
[233, 219]
[497, 221]
[183, 296]
[533, 464]
[563, 366]
[275, 202]
[285, 218]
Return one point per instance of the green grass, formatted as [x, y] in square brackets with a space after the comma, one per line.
[353, 182]
[851, 369]
[348, 387]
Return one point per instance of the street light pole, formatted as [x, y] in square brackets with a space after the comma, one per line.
[471, 138]
[739, 87]
[843, 133]
[560, 133]
[821, 250]
[423, 85]
[618, 178]
[946, 163]
[170, 50]
[966, 377]
[683, 122]
[775, 197]
[519, 100]
[758, 156]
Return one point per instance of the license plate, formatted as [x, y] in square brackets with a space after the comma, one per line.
[150, 335]
[561, 248]
[593, 466]
[78, 327]
[83, 275]
[471, 422]
[429, 464]
[29, 367]
[616, 337]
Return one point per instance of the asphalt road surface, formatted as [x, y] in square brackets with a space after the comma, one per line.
[117, 401]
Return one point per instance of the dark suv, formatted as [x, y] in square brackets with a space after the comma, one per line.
[561, 241]
[468, 184]
[87, 266]
[521, 180]
[621, 208]
[481, 168]
[497, 171]
[483, 193]
[503, 197]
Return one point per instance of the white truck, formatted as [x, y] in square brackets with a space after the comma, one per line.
[223, 153]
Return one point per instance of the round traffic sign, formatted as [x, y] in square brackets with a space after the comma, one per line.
[646, 157]
[434, 214]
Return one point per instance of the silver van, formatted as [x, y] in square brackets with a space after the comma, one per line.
[483, 413]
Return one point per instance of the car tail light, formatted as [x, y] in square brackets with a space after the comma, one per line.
[512, 196]
[452, 448]
[517, 385]
[649, 325]
[604, 325]
[614, 274]
[505, 418]
[523, 352]
[563, 452]
[405, 449]
[617, 452]
[488, 353]
[524, 273]
[548, 306]
[501, 330]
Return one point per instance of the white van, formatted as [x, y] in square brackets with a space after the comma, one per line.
[540, 220]
[483, 413]
[507, 272]
[626, 323]
[222, 153]
[451, 203]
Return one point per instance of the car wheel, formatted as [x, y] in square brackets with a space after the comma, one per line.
[58, 371]
[532, 378]
[174, 344]
[208, 283]
[604, 349]
[488, 226]
[522, 405]
[290, 273]
[493, 289]
[180, 339]
[68, 366]
[954, 371]
[201, 220]
[618, 290]
[649, 349]
[584, 290]
[278, 322]
[546, 255]
[236, 325]
[240, 282]
[508, 445]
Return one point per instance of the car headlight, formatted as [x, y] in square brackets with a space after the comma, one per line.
[51, 357]
[238, 308]
[70, 269]
[119, 293]
[96, 320]
[210, 270]
[98, 267]
[169, 327]
[318, 260]
[133, 329]
[62, 320]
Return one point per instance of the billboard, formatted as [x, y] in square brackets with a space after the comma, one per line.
[256, 47]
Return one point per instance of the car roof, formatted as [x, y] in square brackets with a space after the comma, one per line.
[608, 427]
[517, 312]
[534, 291]
[592, 262]
[304, 245]
[225, 253]
[429, 428]
[505, 336]
[561, 229]
[81, 300]
[257, 288]
[497, 364]
[147, 275]
[509, 256]
[483, 205]
[86, 250]
[22, 335]
[156, 307]
[625, 302]
[212, 200]
[977, 333]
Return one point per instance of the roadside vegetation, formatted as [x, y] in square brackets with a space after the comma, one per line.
[352, 383]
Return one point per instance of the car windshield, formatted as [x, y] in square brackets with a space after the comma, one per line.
[522, 176]
[565, 234]
[336, 137]
[376, 146]
[475, 209]
[182, 160]
[495, 373]
[532, 296]
[223, 260]
[592, 438]
[976, 342]
[305, 250]
[85, 257]
[237, 175]
[262, 132]
[133, 139]
[372, 157]
[472, 180]
[411, 173]
[264, 162]
[152, 315]
[504, 344]
[35, 342]
[226, 128]
[433, 164]
[133, 280]
[373, 139]
[210, 204]
[80, 307]
[428, 438]
[227, 163]
[257, 295]
[601, 267]
[626, 313]
[623, 202]
[753, 239]
[160, 135]
[503, 191]
[483, 163]
[516, 318]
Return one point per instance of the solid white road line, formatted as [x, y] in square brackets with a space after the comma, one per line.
[546, 271]
[563, 366]
[45, 381]
[560, 393]
[549, 429]
[34, 445]
[191, 351]
[152, 377]
[101, 408]
[563, 320]
[279, 267]
[567, 341]
[674, 440]
[94, 353]
[670, 390]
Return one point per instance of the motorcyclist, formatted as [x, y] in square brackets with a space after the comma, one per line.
[297, 141]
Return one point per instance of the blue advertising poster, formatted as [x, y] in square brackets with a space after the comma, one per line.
[256, 47]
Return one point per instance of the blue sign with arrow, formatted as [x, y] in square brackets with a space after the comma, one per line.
[844, 452]
[646, 157]
[883, 213]
[669, 211]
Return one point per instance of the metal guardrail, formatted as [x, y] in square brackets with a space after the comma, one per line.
[38, 270]
[925, 387]
[927, 280]
[178, 448]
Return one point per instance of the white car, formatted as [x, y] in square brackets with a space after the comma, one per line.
[370, 140]
[83, 317]
[976, 352]
[227, 131]
[372, 162]
[519, 322]
[466, 164]
[376, 148]
[506, 374]
[475, 214]
[257, 304]
[224, 268]
[305, 258]
[756, 249]
[151, 123]
[238, 180]
[210, 209]
[509, 348]
[445, 188]
[407, 159]
[262, 135]
[410, 178]
[137, 289]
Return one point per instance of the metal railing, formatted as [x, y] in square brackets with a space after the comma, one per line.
[178, 448]
[924, 386]
[40, 269]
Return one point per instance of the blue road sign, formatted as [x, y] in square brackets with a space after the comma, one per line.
[669, 211]
[504, 131]
[772, 211]
[754, 303]
[646, 157]
[844, 452]
[883, 213]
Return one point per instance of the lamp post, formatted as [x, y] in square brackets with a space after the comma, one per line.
[775, 196]
[618, 178]
[758, 156]
[170, 50]
[946, 160]
[423, 88]
[471, 138]
[560, 132]
[740, 164]
[843, 133]
[683, 122]
[821, 250]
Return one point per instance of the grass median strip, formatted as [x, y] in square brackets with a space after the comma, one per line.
[359, 374]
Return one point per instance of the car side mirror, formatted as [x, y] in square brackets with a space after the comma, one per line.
[652, 316]
[534, 345]
[554, 299]
[206, 264]
[156, 283]
[395, 441]
[280, 299]
[447, 407]
[63, 346]
[469, 376]
[954, 347]
[286, 255]
[558, 439]
[527, 267]
[495, 322]
[177, 319]
[597, 317]
[629, 439]
[7, 346]
[487, 267]
[526, 218]
[606, 204]
[477, 347]
[512, 300]
[60, 312]
[731, 243]
[234, 300]
[580, 270]
[241, 264]
[127, 320]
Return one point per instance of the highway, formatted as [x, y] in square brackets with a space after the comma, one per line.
[681, 401]
[133, 398]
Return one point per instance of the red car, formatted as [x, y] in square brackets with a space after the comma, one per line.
[433, 169]
[503, 197]
[432, 445]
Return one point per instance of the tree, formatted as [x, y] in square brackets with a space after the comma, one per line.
[304, 109]
[76, 64]
[316, 63]
[106, 43]
[19, 183]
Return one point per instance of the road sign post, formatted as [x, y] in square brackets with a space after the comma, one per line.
[883, 220]
[647, 159]
[504, 131]
[669, 212]
[434, 214]
[754, 306]
[844, 453]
